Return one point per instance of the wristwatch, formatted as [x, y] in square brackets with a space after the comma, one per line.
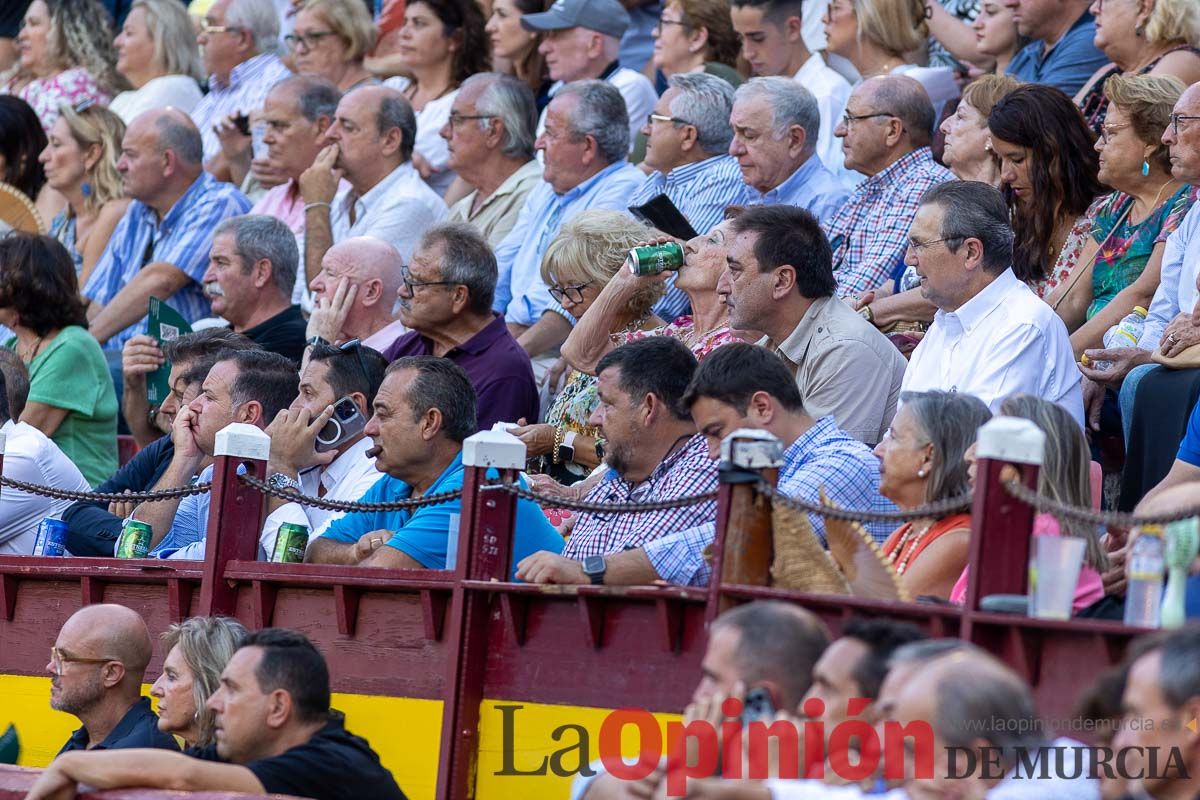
[280, 482]
[600, 450]
[595, 567]
[566, 450]
[315, 340]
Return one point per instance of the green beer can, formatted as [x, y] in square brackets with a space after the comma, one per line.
[290, 544]
[135, 539]
[653, 259]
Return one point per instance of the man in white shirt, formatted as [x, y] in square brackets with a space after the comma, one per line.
[581, 40]
[370, 144]
[346, 472]
[991, 336]
[772, 34]
[29, 456]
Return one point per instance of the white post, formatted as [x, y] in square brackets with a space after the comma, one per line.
[748, 448]
[494, 449]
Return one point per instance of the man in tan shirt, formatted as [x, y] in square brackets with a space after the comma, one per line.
[490, 138]
[780, 281]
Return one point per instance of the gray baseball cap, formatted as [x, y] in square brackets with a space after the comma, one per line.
[603, 16]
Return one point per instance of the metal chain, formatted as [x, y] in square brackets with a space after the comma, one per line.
[935, 510]
[340, 505]
[1116, 519]
[105, 497]
[602, 508]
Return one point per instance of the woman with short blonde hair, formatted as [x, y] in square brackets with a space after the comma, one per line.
[966, 153]
[330, 39]
[157, 53]
[1162, 38]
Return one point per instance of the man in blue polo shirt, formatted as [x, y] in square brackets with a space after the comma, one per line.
[1062, 53]
[424, 410]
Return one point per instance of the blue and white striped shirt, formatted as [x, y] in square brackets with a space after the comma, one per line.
[823, 458]
[249, 83]
[812, 187]
[182, 239]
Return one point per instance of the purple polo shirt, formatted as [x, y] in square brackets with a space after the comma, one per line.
[498, 367]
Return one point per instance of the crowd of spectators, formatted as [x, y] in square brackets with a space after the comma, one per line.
[897, 219]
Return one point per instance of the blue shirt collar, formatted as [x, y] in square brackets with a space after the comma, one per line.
[797, 179]
[571, 194]
[182, 206]
[689, 171]
[798, 451]
[455, 466]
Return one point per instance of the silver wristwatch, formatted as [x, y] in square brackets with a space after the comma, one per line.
[280, 481]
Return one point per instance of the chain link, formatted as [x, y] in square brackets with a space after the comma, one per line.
[341, 505]
[105, 497]
[1116, 519]
[932, 510]
[602, 508]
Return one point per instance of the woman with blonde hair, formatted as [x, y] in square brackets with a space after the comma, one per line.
[197, 651]
[579, 262]
[80, 161]
[1152, 37]
[876, 36]
[330, 40]
[67, 56]
[157, 53]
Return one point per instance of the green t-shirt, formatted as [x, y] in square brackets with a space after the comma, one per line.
[71, 373]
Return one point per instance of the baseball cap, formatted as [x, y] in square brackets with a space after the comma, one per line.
[603, 16]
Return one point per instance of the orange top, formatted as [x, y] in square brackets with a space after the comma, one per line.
[913, 550]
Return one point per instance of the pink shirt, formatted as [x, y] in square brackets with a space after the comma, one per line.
[285, 203]
[69, 86]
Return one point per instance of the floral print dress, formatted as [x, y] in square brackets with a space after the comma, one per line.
[68, 87]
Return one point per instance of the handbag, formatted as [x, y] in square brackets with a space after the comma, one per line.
[1188, 358]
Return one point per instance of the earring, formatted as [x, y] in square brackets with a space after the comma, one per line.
[1145, 169]
[921, 473]
[85, 189]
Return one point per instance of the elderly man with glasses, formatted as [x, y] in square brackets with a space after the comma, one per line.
[885, 132]
[446, 296]
[96, 669]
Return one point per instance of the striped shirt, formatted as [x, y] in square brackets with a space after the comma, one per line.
[823, 458]
[249, 83]
[686, 472]
[182, 239]
[870, 234]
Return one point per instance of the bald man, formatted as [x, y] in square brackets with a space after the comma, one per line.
[96, 669]
[354, 294]
[160, 247]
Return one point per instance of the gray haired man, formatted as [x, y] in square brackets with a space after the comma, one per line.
[776, 124]
[251, 270]
[490, 135]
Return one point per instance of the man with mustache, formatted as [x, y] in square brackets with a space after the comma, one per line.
[424, 409]
[251, 270]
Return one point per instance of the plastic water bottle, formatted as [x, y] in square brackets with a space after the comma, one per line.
[1143, 597]
[1126, 333]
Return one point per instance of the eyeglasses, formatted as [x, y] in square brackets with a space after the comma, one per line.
[574, 292]
[658, 26]
[309, 40]
[1178, 118]
[456, 119]
[409, 284]
[849, 119]
[653, 118]
[917, 244]
[208, 29]
[1106, 131]
[356, 346]
[58, 658]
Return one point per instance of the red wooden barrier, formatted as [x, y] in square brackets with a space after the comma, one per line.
[16, 781]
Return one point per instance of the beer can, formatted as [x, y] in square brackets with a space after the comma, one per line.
[290, 544]
[51, 538]
[653, 259]
[135, 539]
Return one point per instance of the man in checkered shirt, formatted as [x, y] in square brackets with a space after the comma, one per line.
[653, 453]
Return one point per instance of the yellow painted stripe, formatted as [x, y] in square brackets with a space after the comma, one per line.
[405, 732]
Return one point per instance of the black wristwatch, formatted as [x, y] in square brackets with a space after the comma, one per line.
[566, 450]
[315, 340]
[595, 567]
[600, 450]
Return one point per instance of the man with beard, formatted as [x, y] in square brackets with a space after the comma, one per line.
[96, 669]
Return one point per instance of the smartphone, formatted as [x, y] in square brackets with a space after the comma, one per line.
[758, 707]
[346, 423]
[242, 123]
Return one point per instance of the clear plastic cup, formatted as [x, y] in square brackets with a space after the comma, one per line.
[1053, 575]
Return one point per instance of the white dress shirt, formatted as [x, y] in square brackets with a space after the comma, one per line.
[1177, 288]
[1003, 340]
[429, 142]
[30, 456]
[831, 91]
[398, 210]
[347, 478]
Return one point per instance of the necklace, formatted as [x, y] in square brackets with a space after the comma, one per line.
[911, 535]
[33, 354]
[633, 326]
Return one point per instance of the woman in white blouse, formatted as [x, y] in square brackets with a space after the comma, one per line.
[158, 55]
[442, 44]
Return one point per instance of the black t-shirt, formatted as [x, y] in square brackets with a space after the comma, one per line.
[283, 333]
[333, 765]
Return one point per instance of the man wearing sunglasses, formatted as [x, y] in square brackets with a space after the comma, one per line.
[96, 668]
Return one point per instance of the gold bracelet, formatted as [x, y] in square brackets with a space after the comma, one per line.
[560, 433]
